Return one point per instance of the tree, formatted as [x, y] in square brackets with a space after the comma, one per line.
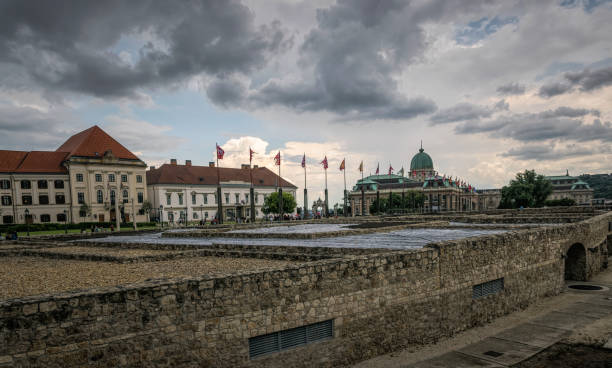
[147, 207]
[528, 189]
[271, 204]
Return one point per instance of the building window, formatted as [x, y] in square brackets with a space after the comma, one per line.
[45, 218]
[98, 178]
[246, 198]
[139, 178]
[193, 199]
[7, 219]
[226, 198]
[5, 184]
[140, 197]
[42, 184]
[169, 199]
[205, 214]
[7, 200]
[60, 199]
[100, 196]
[125, 193]
[26, 184]
[112, 195]
[205, 198]
[180, 199]
[111, 178]
[124, 178]
[58, 184]
[195, 215]
[43, 199]
[61, 217]
[26, 199]
[79, 177]
[81, 198]
[237, 198]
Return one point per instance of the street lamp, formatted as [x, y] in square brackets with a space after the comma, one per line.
[27, 214]
[161, 215]
[66, 221]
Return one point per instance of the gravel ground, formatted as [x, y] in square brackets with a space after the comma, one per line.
[296, 229]
[569, 356]
[108, 251]
[24, 276]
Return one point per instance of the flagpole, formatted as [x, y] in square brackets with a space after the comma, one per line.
[326, 198]
[390, 191]
[362, 193]
[280, 190]
[345, 207]
[219, 202]
[305, 215]
[252, 189]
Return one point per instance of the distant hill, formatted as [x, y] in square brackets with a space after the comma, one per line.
[601, 184]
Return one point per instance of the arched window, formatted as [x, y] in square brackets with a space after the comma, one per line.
[100, 196]
[112, 195]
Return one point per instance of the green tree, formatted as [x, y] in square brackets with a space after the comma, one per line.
[528, 189]
[271, 204]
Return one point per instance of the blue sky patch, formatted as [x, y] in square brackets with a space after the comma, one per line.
[480, 29]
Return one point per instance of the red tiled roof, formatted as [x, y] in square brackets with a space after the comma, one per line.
[93, 142]
[205, 175]
[32, 162]
[10, 160]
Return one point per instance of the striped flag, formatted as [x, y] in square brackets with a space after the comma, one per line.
[361, 167]
[304, 161]
[251, 153]
[390, 169]
[378, 169]
[324, 163]
[342, 165]
[220, 152]
[277, 159]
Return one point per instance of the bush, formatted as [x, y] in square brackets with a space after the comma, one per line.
[61, 226]
[560, 202]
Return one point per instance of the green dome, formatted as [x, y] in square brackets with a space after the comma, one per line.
[421, 161]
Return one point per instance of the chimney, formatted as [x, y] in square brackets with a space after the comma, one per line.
[172, 161]
[211, 164]
[255, 166]
[244, 166]
[151, 167]
[187, 162]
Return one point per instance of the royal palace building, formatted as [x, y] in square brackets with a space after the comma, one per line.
[89, 178]
[441, 194]
[188, 193]
[571, 187]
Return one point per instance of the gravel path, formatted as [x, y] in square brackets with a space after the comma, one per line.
[24, 276]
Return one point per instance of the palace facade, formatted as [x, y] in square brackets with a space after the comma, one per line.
[188, 192]
[441, 194]
[572, 187]
[89, 178]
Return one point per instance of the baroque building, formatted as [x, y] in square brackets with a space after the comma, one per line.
[441, 194]
[89, 178]
[572, 187]
[187, 192]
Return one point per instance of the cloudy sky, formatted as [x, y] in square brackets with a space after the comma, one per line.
[490, 87]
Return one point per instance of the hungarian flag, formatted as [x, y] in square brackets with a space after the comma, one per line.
[324, 163]
[390, 169]
[304, 161]
[342, 165]
[277, 159]
[251, 153]
[377, 169]
[361, 167]
[220, 152]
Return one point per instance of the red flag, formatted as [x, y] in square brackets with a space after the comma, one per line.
[324, 163]
[377, 169]
[220, 152]
[361, 167]
[251, 153]
[277, 159]
[342, 165]
[390, 169]
[304, 161]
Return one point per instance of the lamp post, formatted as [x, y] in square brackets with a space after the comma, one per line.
[66, 221]
[27, 214]
[161, 215]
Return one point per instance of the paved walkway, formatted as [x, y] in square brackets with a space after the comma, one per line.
[576, 316]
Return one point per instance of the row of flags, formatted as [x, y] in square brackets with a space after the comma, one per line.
[277, 162]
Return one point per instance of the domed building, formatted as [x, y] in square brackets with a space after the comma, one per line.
[439, 193]
[421, 166]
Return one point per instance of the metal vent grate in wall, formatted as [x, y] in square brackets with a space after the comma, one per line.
[487, 288]
[287, 339]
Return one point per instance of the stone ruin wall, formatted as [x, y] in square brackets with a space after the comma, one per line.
[378, 302]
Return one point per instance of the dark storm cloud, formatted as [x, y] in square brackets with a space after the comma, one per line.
[467, 111]
[511, 89]
[549, 152]
[68, 45]
[353, 57]
[586, 80]
[563, 124]
[226, 92]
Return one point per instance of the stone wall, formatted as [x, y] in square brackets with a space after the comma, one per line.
[379, 302]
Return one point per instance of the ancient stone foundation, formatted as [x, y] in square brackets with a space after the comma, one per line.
[378, 303]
